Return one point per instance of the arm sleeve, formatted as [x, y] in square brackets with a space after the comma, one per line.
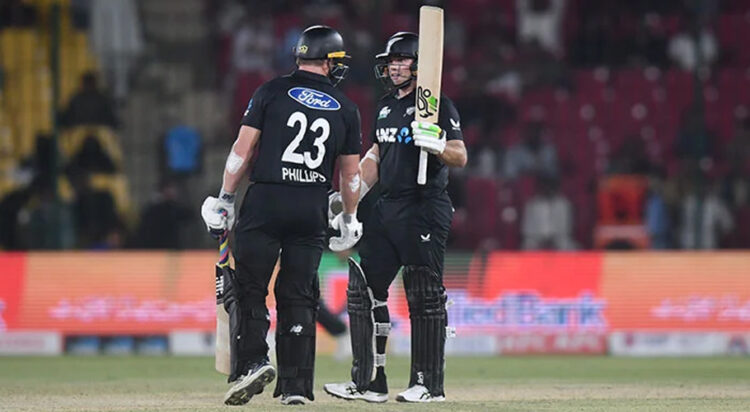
[353, 141]
[450, 121]
[256, 107]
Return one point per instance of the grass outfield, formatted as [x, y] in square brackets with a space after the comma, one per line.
[473, 384]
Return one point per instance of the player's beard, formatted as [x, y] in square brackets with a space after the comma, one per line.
[400, 81]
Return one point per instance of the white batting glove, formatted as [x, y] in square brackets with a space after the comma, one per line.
[351, 232]
[335, 207]
[429, 137]
[218, 213]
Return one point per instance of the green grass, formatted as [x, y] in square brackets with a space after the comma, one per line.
[472, 384]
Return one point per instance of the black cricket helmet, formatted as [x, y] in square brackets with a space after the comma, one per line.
[401, 44]
[324, 43]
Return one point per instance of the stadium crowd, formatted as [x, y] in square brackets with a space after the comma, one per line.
[589, 123]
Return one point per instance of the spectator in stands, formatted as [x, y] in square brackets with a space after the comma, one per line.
[43, 222]
[595, 42]
[538, 67]
[92, 158]
[15, 178]
[11, 205]
[705, 217]
[656, 214]
[547, 218]
[252, 50]
[684, 53]
[533, 155]
[230, 16]
[94, 212]
[630, 158]
[647, 44]
[163, 220]
[694, 142]
[740, 196]
[486, 162]
[541, 21]
[738, 149]
[89, 105]
[181, 149]
[115, 35]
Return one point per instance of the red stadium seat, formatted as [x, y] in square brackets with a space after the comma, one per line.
[633, 85]
[591, 83]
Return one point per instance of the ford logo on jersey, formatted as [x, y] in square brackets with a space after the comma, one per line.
[314, 99]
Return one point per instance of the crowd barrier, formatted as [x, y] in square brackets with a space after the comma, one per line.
[501, 303]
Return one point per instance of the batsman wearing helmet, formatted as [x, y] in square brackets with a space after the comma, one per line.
[299, 125]
[408, 229]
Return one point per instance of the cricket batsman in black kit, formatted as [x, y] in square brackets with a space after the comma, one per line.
[408, 228]
[299, 125]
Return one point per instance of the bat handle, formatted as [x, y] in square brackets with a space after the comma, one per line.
[224, 248]
[422, 172]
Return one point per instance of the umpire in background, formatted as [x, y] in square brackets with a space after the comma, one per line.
[299, 125]
[408, 228]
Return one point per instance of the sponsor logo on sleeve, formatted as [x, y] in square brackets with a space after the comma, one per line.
[456, 124]
[249, 106]
[314, 99]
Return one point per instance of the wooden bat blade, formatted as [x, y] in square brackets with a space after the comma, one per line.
[429, 74]
[430, 65]
[222, 356]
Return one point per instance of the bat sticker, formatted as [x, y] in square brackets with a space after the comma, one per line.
[427, 104]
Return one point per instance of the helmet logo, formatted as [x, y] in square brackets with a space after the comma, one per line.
[302, 49]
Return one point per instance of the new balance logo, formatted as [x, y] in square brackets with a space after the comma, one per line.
[296, 329]
[420, 378]
[456, 124]
[425, 238]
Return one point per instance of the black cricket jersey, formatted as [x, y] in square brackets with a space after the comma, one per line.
[306, 124]
[399, 157]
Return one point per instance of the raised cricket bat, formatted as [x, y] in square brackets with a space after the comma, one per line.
[430, 71]
[222, 355]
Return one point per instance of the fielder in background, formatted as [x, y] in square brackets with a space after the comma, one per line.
[408, 228]
[299, 124]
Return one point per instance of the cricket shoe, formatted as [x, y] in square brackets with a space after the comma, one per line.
[349, 392]
[418, 393]
[251, 384]
[293, 399]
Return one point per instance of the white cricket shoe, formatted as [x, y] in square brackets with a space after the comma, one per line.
[349, 392]
[247, 386]
[293, 400]
[418, 393]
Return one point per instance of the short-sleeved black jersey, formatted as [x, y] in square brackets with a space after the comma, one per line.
[399, 157]
[306, 124]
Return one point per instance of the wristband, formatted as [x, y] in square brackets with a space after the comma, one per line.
[225, 196]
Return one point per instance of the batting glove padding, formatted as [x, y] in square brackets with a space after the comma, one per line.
[218, 214]
[351, 232]
[429, 137]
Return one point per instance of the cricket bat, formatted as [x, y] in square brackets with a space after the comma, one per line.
[430, 71]
[222, 356]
